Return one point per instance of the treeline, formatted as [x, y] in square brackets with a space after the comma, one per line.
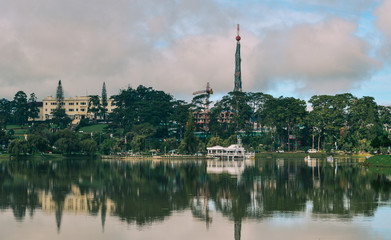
[147, 119]
[18, 110]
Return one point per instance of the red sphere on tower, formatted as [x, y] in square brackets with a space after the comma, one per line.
[238, 38]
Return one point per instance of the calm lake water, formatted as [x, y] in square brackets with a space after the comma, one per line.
[261, 199]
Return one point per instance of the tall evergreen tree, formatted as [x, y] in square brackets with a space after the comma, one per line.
[59, 116]
[59, 95]
[104, 101]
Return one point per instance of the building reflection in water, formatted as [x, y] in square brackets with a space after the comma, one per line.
[77, 203]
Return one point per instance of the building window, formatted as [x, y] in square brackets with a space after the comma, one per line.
[71, 103]
[83, 103]
[71, 109]
[77, 109]
[83, 110]
[77, 103]
[46, 109]
[46, 103]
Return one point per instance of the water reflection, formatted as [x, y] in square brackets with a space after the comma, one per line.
[140, 192]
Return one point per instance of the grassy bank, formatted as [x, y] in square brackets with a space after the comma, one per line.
[378, 161]
[93, 128]
[288, 155]
[39, 157]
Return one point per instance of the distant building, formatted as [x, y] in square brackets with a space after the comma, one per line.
[201, 119]
[76, 108]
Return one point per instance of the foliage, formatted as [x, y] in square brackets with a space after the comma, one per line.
[215, 141]
[37, 143]
[5, 136]
[138, 143]
[189, 144]
[110, 145]
[59, 94]
[60, 118]
[33, 111]
[94, 105]
[88, 146]
[18, 146]
[143, 105]
[67, 141]
[5, 112]
[104, 101]
[20, 108]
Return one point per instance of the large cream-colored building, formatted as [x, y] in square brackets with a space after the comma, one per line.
[76, 108]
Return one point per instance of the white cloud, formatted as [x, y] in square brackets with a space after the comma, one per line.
[321, 58]
[383, 23]
[175, 46]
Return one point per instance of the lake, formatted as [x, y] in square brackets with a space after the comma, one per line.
[265, 198]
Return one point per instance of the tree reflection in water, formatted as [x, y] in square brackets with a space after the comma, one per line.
[143, 192]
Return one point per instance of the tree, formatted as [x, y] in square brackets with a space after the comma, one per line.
[215, 141]
[59, 94]
[33, 107]
[4, 137]
[179, 116]
[20, 108]
[143, 105]
[363, 120]
[18, 146]
[138, 143]
[257, 102]
[189, 144]
[37, 143]
[104, 101]
[59, 116]
[67, 141]
[330, 116]
[5, 112]
[286, 114]
[110, 145]
[88, 146]
[94, 105]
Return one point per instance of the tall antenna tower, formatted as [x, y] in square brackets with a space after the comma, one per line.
[238, 73]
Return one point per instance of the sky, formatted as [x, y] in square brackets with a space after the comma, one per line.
[296, 48]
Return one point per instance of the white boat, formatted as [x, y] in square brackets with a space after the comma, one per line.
[233, 152]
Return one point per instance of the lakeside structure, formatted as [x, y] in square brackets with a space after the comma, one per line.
[233, 152]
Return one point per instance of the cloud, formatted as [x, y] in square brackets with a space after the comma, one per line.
[175, 46]
[383, 23]
[319, 58]
[84, 43]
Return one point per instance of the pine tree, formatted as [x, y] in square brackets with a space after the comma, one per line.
[59, 115]
[104, 101]
[59, 95]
